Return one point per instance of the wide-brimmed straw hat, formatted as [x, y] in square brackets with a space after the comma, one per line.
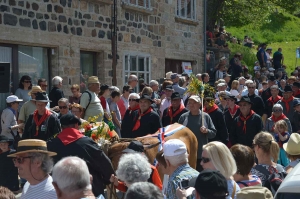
[93, 80]
[292, 146]
[35, 89]
[32, 145]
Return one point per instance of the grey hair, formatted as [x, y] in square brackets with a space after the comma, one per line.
[143, 190]
[153, 83]
[133, 167]
[198, 75]
[64, 100]
[44, 158]
[132, 77]
[277, 106]
[56, 80]
[177, 159]
[274, 87]
[137, 96]
[71, 174]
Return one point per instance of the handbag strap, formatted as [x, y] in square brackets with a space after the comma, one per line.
[234, 189]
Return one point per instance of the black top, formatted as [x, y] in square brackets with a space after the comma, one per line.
[258, 105]
[230, 118]
[55, 95]
[47, 130]
[266, 94]
[127, 125]
[296, 122]
[8, 172]
[218, 120]
[269, 107]
[85, 148]
[166, 119]
[254, 125]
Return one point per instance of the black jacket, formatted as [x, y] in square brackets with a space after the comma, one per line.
[218, 120]
[127, 125]
[8, 172]
[258, 105]
[166, 119]
[266, 94]
[296, 122]
[55, 95]
[229, 119]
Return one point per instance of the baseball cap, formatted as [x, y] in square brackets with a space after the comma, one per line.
[174, 75]
[175, 95]
[13, 98]
[196, 98]
[210, 184]
[134, 146]
[254, 192]
[174, 147]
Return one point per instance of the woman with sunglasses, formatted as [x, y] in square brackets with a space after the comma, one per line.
[216, 156]
[63, 105]
[25, 86]
[277, 114]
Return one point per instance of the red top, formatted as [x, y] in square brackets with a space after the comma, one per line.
[122, 107]
[103, 102]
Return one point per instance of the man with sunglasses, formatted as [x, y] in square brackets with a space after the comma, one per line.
[258, 104]
[63, 105]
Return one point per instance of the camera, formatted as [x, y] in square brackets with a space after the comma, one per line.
[184, 184]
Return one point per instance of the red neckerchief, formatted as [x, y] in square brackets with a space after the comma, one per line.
[212, 109]
[245, 120]
[233, 112]
[281, 117]
[297, 93]
[39, 122]
[274, 101]
[138, 122]
[170, 112]
[69, 135]
[287, 105]
[133, 109]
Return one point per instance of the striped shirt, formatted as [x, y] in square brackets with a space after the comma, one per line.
[43, 190]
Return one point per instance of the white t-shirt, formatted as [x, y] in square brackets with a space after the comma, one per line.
[43, 190]
[95, 107]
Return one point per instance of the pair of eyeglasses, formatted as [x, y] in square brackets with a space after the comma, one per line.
[63, 107]
[204, 160]
[20, 160]
[134, 100]
[277, 110]
[27, 81]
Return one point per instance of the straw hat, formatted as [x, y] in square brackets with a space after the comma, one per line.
[35, 89]
[32, 145]
[168, 75]
[93, 80]
[292, 146]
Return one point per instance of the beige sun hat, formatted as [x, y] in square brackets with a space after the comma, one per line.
[168, 75]
[93, 80]
[292, 146]
[35, 89]
[32, 145]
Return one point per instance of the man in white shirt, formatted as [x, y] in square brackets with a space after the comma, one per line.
[167, 101]
[245, 91]
[34, 164]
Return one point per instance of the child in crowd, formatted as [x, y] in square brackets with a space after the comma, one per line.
[282, 136]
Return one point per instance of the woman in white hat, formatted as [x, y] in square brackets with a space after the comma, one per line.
[293, 151]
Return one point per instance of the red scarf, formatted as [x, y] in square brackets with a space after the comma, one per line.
[245, 120]
[212, 109]
[39, 122]
[287, 105]
[138, 122]
[133, 109]
[281, 117]
[170, 112]
[233, 112]
[69, 135]
[274, 101]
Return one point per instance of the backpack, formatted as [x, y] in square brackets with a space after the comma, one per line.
[90, 99]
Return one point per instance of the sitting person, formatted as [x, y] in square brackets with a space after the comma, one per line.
[292, 150]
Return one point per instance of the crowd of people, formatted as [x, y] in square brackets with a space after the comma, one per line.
[247, 128]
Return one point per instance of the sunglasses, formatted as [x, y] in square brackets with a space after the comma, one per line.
[277, 110]
[134, 100]
[204, 160]
[63, 107]
[20, 160]
[27, 81]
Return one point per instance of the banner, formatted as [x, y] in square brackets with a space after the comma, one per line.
[187, 67]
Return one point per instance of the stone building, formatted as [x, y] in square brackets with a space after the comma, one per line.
[72, 39]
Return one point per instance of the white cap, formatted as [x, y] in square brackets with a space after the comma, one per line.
[13, 98]
[196, 98]
[174, 147]
[221, 84]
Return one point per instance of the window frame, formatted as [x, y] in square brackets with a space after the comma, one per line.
[95, 68]
[128, 3]
[193, 7]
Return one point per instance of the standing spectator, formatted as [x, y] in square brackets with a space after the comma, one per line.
[9, 117]
[242, 82]
[63, 105]
[71, 179]
[296, 89]
[287, 102]
[143, 190]
[258, 105]
[155, 86]
[266, 94]
[247, 125]
[89, 100]
[236, 67]
[205, 78]
[168, 91]
[42, 124]
[176, 87]
[176, 156]
[123, 103]
[56, 93]
[132, 81]
[293, 151]
[115, 112]
[25, 86]
[278, 59]
[245, 90]
[193, 120]
[296, 117]
[282, 136]
[234, 88]
[34, 164]
[220, 72]
[75, 89]
[8, 172]
[268, 54]
[71, 142]
[103, 95]
[261, 55]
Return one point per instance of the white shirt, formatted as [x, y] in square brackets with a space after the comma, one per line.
[43, 190]
[245, 92]
[94, 108]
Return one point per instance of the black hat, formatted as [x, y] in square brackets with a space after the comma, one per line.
[134, 146]
[41, 97]
[208, 183]
[147, 97]
[287, 88]
[296, 103]
[104, 87]
[297, 84]
[245, 99]
[231, 97]
[169, 87]
[3, 138]
[272, 78]
[68, 119]
[184, 74]
[175, 95]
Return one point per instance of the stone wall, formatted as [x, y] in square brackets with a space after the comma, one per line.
[69, 26]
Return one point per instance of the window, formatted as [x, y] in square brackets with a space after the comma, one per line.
[138, 65]
[88, 67]
[186, 9]
[138, 3]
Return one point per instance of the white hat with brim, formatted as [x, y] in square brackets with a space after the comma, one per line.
[32, 145]
[195, 98]
[292, 146]
[93, 80]
[13, 98]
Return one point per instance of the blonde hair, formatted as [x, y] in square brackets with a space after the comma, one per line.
[235, 85]
[75, 86]
[282, 124]
[221, 158]
[267, 143]
[77, 106]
